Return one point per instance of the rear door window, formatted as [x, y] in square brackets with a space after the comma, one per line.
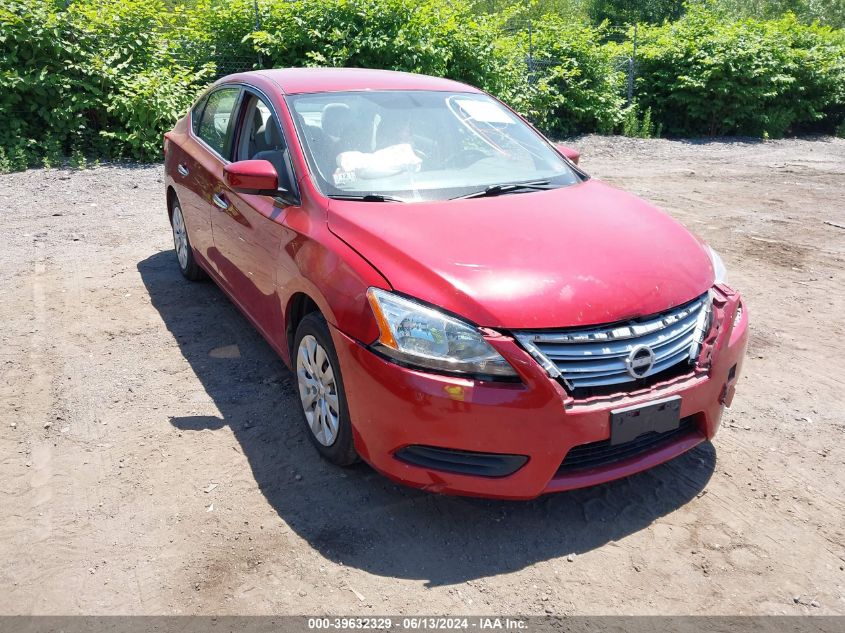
[196, 113]
[217, 121]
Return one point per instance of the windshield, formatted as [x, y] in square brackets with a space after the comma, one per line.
[420, 145]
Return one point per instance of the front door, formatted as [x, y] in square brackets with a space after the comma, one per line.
[247, 228]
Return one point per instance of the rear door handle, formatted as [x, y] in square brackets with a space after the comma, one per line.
[182, 170]
[220, 201]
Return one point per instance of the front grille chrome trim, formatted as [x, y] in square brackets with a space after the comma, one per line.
[596, 356]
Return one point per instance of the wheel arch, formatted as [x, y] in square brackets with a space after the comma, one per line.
[299, 305]
[171, 198]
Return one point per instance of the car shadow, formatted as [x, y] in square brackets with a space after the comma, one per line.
[360, 518]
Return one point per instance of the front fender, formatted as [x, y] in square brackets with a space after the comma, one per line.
[333, 275]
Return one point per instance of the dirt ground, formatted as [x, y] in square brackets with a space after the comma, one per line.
[151, 460]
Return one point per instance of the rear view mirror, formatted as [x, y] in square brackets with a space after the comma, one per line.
[252, 176]
[571, 154]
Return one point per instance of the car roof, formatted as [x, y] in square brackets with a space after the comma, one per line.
[302, 80]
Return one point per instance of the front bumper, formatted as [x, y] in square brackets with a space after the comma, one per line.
[393, 408]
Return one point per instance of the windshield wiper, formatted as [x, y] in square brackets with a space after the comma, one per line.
[368, 197]
[509, 187]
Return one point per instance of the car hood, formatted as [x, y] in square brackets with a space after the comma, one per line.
[579, 255]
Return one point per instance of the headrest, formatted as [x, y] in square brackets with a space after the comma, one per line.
[272, 135]
[335, 118]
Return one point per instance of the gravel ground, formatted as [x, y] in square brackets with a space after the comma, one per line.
[151, 460]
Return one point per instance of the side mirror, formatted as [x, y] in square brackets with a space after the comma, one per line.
[252, 176]
[571, 154]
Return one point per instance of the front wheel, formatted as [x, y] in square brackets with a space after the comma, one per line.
[184, 255]
[321, 391]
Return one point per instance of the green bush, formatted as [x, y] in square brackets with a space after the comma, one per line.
[829, 12]
[575, 85]
[701, 75]
[95, 77]
[621, 12]
[106, 78]
[145, 105]
[437, 37]
[44, 90]
[579, 92]
[219, 31]
[424, 36]
[638, 126]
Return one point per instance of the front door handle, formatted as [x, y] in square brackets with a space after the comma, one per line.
[220, 201]
[182, 170]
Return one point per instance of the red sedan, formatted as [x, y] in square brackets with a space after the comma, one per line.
[465, 309]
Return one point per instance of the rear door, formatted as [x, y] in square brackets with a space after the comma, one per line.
[199, 169]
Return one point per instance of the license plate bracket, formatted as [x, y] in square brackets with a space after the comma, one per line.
[629, 423]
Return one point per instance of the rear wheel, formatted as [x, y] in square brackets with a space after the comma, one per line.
[184, 255]
[321, 391]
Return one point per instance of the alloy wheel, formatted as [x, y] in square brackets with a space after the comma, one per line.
[318, 390]
[180, 238]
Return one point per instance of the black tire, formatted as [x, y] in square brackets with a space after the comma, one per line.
[187, 265]
[341, 450]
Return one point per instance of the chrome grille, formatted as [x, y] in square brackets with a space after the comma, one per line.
[596, 357]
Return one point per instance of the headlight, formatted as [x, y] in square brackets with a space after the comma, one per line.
[424, 337]
[718, 266]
